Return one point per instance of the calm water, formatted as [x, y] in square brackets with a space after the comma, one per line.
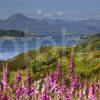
[12, 47]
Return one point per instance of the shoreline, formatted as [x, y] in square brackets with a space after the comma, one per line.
[7, 37]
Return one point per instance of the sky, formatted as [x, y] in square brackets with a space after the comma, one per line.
[59, 9]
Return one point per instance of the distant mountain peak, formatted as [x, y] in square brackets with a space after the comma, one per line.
[22, 22]
[17, 16]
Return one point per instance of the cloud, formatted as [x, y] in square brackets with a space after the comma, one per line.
[39, 12]
[48, 15]
[60, 13]
[63, 15]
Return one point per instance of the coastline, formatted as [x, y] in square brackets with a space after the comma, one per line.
[7, 37]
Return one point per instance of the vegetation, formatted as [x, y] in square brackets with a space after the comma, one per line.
[55, 85]
[87, 58]
[43, 62]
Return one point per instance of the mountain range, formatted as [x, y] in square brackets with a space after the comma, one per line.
[26, 24]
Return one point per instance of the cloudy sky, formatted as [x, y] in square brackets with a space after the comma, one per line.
[63, 9]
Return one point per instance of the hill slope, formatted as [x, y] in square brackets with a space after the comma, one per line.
[87, 55]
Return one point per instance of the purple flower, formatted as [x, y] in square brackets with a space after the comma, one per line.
[80, 95]
[28, 83]
[5, 78]
[71, 64]
[18, 92]
[18, 76]
[85, 91]
[33, 91]
[28, 78]
[92, 95]
[17, 79]
[44, 96]
[66, 97]
[4, 97]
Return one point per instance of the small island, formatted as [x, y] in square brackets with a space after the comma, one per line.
[11, 34]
